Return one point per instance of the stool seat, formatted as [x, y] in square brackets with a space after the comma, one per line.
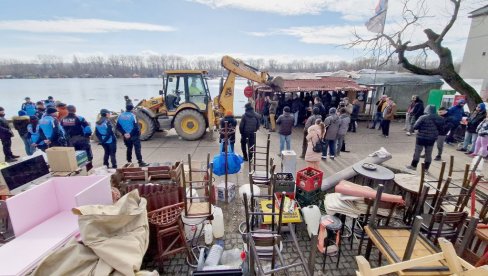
[331, 223]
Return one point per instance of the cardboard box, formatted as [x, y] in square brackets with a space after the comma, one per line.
[62, 159]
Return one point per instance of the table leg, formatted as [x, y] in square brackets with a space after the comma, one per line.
[368, 249]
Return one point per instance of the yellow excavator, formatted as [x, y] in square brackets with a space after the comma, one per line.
[185, 103]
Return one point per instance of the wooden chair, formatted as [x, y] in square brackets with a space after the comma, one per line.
[198, 206]
[264, 181]
[170, 232]
[455, 265]
[260, 163]
[264, 244]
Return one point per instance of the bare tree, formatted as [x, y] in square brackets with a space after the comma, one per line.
[394, 43]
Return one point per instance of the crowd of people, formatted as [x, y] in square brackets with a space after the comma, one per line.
[51, 123]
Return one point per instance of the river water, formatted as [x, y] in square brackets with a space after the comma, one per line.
[91, 95]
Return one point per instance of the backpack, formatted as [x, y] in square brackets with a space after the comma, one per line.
[317, 147]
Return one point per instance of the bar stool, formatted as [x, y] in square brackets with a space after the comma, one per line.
[332, 226]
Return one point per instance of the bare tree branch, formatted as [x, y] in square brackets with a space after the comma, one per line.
[457, 4]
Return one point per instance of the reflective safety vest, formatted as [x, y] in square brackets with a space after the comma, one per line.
[127, 120]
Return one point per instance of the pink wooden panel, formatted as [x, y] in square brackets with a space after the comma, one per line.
[22, 254]
[68, 187]
[32, 207]
[351, 189]
[99, 193]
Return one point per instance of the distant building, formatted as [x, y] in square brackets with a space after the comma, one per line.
[475, 60]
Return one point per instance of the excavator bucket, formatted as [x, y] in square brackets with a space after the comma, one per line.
[277, 83]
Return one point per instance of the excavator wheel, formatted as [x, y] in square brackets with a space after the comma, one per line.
[146, 125]
[190, 124]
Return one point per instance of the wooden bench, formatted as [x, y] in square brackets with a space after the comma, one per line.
[42, 220]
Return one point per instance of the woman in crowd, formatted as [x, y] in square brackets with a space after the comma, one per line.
[481, 147]
[314, 137]
[388, 115]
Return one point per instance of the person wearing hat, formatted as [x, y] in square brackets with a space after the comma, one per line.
[332, 123]
[455, 115]
[128, 101]
[247, 127]
[20, 123]
[50, 102]
[6, 135]
[77, 131]
[106, 137]
[50, 130]
[380, 107]
[29, 107]
[128, 127]
[231, 125]
[310, 122]
[285, 122]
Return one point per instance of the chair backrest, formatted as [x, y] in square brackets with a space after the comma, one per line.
[259, 156]
[252, 215]
[454, 220]
[195, 205]
[158, 195]
[373, 206]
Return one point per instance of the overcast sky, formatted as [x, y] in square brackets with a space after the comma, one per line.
[284, 29]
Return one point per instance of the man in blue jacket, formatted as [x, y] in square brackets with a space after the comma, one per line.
[128, 127]
[29, 107]
[455, 115]
[50, 131]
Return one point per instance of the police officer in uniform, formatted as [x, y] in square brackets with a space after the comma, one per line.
[50, 130]
[77, 131]
[106, 137]
[128, 127]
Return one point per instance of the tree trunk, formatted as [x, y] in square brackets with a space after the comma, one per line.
[457, 83]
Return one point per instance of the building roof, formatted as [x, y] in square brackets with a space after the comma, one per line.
[322, 84]
[479, 12]
[368, 77]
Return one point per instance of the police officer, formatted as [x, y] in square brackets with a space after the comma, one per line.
[34, 135]
[77, 131]
[50, 131]
[128, 127]
[29, 107]
[106, 137]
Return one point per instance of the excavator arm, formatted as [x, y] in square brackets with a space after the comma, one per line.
[225, 100]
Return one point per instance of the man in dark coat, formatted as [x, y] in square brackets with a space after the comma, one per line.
[472, 124]
[247, 127]
[231, 128]
[6, 135]
[428, 127]
[415, 113]
[318, 104]
[285, 122]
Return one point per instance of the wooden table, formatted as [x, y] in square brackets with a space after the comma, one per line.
[392, 242]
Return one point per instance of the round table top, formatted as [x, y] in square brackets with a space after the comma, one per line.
[410, 183]
[381, 173]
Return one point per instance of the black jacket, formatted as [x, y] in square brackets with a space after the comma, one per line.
[429, 125]
[418, 109]
[296, 105]
[249, 123]
[74, 125]
[321, 107]
[474, 120]
[5, 132]
[231, 123]
[355, 111]
[20, 124]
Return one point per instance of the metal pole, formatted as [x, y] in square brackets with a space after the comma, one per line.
[226, 170]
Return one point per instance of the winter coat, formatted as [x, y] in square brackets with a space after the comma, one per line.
[321, 107]
[332, 124]
[231, 123]
[266, 109]
[482, 128]
[259, 104]
[20, 124]
[273, 106]
[344, 125]
[455, 114]
[349, 108]
[389, 112]
[428, 125]
[313, 138]
[285, 122]
[5, 132]
[418, 109]
[446, 126]
[326, 98]
[249, 123]
[474, 120]
[311, 121]
[296, 105]
[380, 105]
[355, 111]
